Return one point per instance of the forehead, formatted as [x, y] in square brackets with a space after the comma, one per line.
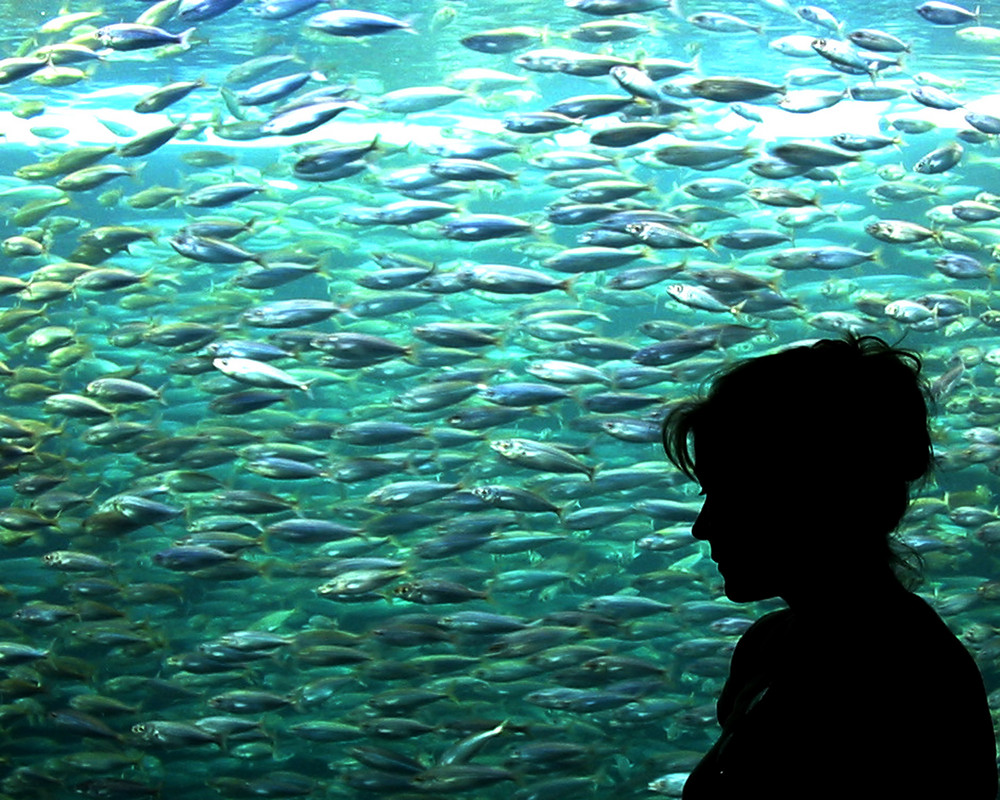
[757, 452]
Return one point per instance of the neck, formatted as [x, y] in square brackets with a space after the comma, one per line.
[834, 591]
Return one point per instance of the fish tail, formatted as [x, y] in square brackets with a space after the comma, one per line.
[232, 103]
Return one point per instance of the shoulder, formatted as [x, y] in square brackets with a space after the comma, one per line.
[906, 660]
[911, 628]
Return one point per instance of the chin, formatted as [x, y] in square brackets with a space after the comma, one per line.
[746, 594]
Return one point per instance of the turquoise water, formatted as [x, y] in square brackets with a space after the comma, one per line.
[136, 646]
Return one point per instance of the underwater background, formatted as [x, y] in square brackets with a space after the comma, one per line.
[335, 345]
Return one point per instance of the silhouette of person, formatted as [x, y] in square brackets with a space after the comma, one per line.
[857, 689]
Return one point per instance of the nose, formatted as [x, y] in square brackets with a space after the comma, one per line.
[701, 528]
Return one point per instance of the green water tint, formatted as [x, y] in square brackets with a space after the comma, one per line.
[433, 546]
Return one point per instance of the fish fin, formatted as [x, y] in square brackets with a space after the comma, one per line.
[136, 170]
[694, 48]
[232, 103]
[413, 352]
[185, 38]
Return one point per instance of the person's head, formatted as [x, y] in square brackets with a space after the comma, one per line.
[805, 453]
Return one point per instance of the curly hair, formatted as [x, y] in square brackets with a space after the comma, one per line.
[849, 412]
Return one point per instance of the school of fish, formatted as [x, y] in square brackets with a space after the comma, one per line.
[336, 343]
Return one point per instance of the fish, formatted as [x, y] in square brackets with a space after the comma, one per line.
[612, 8]
[148, 142]
[165, 96]
[934, 98]
[502, 40]
[333, 431]
[722, 23]
[878, 40]
[302, 120]
[941, 159]
[276, 88]
[941, 13]
[200, 10]
[353, 23]
[15, 68]
[211, 250]
[91, 177]
[733, 88]
[127, 36]
[608, 30]
[221, 194]
[845, 56]
[572, 62]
